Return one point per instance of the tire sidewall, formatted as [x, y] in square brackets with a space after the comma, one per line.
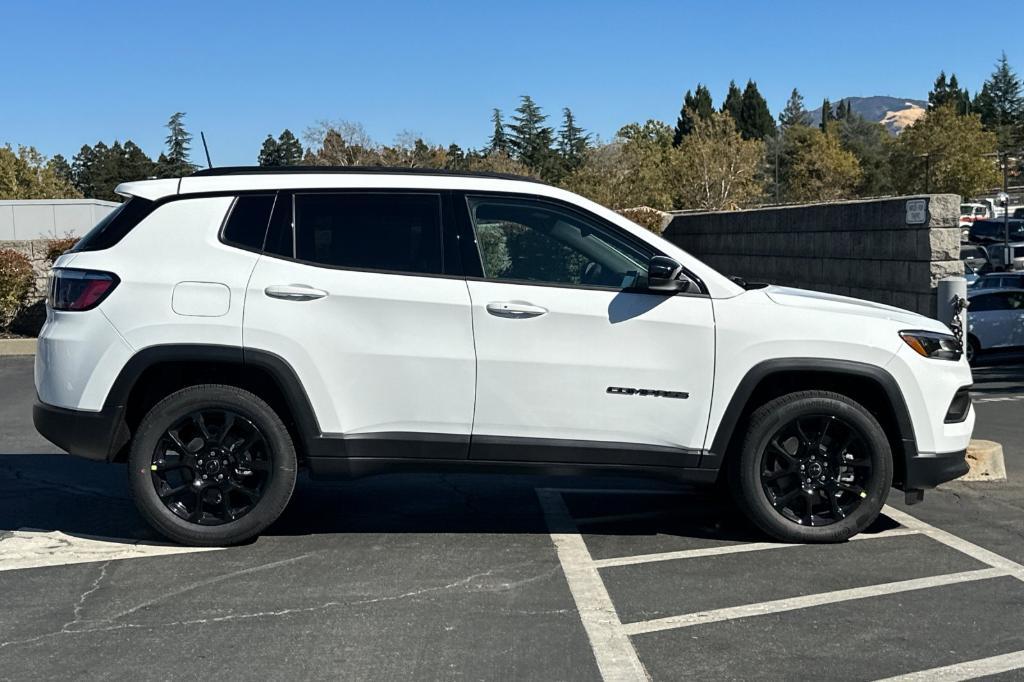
[764, 514]
[172, 408]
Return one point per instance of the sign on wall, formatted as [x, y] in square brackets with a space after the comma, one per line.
[917, 211]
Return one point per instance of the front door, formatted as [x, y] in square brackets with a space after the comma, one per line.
[576, 361]
[353, 292]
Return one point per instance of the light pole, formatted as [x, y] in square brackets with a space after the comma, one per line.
[1004, 199]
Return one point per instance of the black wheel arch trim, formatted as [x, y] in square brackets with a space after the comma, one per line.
[715, 455]
[313, 440]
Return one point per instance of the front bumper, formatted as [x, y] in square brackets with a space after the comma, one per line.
[927, 470]
[93, 435]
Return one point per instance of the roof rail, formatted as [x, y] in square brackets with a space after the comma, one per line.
[382, 170]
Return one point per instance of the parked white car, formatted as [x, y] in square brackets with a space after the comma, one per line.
[995, 319]
[220, 331]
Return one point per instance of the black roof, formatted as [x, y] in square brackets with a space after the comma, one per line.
[383, 170]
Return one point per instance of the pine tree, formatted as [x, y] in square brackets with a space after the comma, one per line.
[498, 144]
[756, 121]
[270, 153]
[733, 103]
[179, 143]
[61, 169]
[454, 158]
[531, 140]
[827, 114]
[964, 105]
[843, 110]
[939, 94]
[1001, 105]
[572, 142]
[794, 112]
[289, 148]
[698, 104]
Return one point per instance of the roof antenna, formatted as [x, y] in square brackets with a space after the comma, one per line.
[206, 149]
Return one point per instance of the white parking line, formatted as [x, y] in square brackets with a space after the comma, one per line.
[794, 603]
[968, 670]
[36, 549]
[616, 657]
[734, 549]
[609, 637]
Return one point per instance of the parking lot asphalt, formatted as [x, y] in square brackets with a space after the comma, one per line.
[467, 576]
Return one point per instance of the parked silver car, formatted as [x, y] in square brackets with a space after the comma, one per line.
[995, 319]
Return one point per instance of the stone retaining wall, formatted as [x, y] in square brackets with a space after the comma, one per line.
[883, 250]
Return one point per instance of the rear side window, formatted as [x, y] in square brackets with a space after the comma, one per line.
[115, 225]
[390, 232]
[246, 225]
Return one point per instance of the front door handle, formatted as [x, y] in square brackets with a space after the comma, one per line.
[294, 292]
[515, 310]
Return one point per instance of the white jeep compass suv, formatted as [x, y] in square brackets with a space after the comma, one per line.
[219, 331]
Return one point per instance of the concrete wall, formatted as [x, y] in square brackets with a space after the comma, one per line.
[873, 249]
[48, 218]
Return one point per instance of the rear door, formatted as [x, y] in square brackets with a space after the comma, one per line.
[355, 293]
[576, 361]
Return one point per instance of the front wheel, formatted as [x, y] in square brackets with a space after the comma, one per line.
[211, 465]
[815, 467]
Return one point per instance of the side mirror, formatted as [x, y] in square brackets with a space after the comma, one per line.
[666, 274]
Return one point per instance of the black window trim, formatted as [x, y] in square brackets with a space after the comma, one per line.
[639, 244]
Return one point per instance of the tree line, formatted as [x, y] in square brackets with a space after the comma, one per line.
[728, 156]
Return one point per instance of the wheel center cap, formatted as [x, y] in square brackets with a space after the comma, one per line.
[814, 469]
[212, 465]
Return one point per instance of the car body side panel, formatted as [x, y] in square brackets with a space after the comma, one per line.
[752, 330]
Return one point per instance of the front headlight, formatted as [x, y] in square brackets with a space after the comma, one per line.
[933, 344]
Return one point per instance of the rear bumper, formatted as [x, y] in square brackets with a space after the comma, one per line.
[93, 435]
[928, 470]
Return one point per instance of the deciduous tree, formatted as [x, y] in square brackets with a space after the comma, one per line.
[944, 152]
[815, 167]
[718, 168]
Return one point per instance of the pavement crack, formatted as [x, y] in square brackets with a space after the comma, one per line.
[112, 626]
[210, 581]
[77, 612]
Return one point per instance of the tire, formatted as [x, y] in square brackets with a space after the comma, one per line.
[849, 479]
[973, 348]
[177, 478]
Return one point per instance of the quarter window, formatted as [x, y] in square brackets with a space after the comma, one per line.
[529, 241]
[247, 223]
[390, 232]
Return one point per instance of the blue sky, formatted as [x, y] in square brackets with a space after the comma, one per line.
[78, 72]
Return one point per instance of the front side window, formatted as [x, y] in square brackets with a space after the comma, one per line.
[532, 241]
[389, 232]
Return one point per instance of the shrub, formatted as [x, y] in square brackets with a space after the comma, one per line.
[56, 247]
[16, 281]
[645, 216]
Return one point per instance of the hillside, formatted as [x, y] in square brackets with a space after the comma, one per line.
[895, 113]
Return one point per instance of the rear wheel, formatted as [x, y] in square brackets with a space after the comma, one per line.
[815, 467]
[211, 465]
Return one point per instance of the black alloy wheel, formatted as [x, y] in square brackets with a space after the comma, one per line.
[211, 466]
[815, 466]
[814, 470]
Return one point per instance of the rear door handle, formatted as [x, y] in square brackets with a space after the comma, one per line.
[515, 310]
[294, 292]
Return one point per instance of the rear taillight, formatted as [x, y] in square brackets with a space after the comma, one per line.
[79, 289]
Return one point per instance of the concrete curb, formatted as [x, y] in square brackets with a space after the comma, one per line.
[985, 458]
[17, 347]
